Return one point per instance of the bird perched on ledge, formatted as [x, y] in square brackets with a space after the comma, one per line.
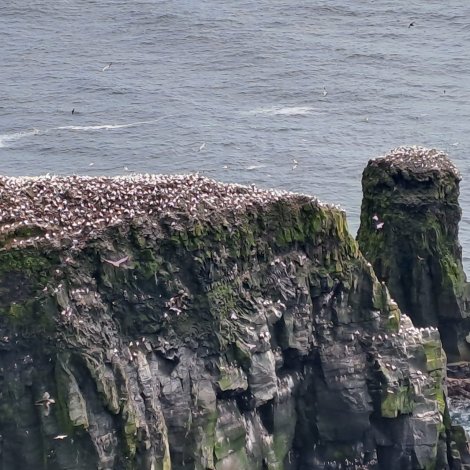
[52, 209]
[377, 222]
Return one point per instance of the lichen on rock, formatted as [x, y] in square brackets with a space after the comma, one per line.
[409, 232]
[238, 329]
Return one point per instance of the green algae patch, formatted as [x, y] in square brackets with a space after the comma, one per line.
[29, 267]
[435, 356]
[24, 279]
[31, 317]
[397, 401]
[381, 298]
[393, 319]
[221, 299]
[231, 378]
[33, 263]
[148, 264]
[453, 277]
[409, 232]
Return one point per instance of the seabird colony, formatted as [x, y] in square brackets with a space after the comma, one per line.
[417, 160]
[53, 208]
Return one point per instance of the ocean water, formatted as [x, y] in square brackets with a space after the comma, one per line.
[234, 90]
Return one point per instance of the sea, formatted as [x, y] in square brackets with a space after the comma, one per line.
[288, 94]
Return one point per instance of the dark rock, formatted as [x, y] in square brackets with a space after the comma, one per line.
[409, 232]
[247, 338]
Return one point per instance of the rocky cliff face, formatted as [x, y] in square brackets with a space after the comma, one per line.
[177, 323]
[409, 232]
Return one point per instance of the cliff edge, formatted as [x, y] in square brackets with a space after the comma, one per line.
[177, 323]
[409, 232]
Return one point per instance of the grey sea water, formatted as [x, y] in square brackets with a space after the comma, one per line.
[235, 90]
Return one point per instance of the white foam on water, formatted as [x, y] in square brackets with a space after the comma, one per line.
[99, 127]
[283, 111]
[5, 139]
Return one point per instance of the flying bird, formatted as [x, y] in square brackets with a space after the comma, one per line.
[46, 401]
[106, 67]
[118, 262]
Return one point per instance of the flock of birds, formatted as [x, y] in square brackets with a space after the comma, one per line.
[417, 159]
[34, 209]
[46, 208]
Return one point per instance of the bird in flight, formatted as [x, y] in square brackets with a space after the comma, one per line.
[118, 262]
[106, 67]
[46, 401]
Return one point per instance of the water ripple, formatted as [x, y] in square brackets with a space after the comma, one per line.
[247, 78]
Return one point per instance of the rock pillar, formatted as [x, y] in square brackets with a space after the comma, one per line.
[409, 232]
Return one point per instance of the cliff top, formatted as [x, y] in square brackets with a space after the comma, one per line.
[34, 209]
[416, 160]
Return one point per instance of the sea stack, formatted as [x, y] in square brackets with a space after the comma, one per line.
[409, 232]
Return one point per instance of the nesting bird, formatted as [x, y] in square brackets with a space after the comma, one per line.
[377, 222]
[416, 159]
[53, 208]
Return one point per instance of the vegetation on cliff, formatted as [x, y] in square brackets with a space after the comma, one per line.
[251, 335]
[413, 192]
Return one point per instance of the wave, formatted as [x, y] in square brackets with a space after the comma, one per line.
[254, 167]
[14, 136]
[5, 139]
[284, 111]
[106, 126]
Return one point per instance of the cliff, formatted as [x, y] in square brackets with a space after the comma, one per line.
[409, 232]
[178, 323]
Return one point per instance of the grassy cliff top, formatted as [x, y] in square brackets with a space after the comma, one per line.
[51, 208]
[416, 161]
